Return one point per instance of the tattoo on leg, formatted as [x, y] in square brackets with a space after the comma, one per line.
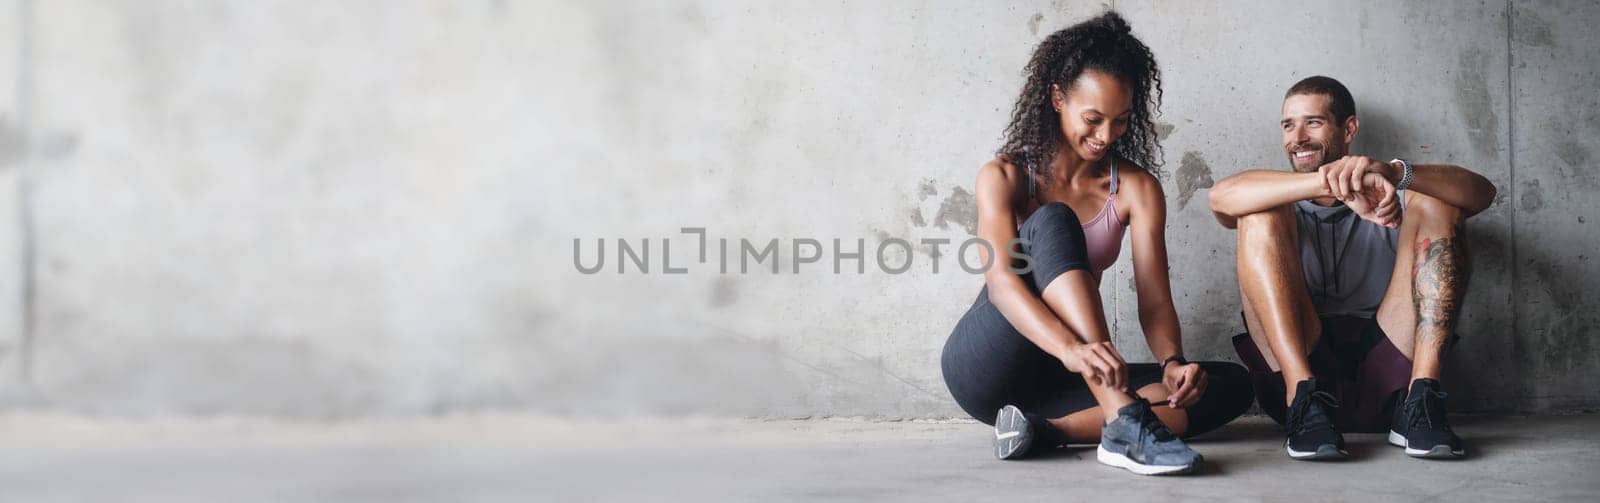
[1439, 281]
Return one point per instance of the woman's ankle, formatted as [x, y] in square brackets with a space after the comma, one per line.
[1113, 402]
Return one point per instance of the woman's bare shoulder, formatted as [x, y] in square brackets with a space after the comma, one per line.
[1000, 173]
[1137, 181]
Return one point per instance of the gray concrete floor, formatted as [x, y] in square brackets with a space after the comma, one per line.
[513, 458]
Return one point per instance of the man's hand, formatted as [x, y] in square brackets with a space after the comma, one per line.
[1344, 176]
[1377, 202]
[1187, 382]
[1098, 363]
[1364, 185]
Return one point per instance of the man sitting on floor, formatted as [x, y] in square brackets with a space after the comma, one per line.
[1351, 272]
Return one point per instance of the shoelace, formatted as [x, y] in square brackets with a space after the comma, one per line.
[1429, 410]
[1297, 415]
[1151, 425]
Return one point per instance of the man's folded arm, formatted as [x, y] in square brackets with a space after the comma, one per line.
[1454, 185]
[1258, 190]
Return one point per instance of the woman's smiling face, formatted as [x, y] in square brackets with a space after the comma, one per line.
[1094, 113]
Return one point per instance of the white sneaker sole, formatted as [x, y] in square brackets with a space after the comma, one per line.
[1323, 452]
[1436, 452]
[1012, 433]
[1121, 461]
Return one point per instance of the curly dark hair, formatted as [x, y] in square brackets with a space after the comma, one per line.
[1105, 44]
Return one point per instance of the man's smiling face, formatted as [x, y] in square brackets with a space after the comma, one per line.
[1311, 135]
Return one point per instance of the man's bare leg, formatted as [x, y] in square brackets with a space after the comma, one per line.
[1282, 321]
[1419, 314]
[1420, 308]
[1272, 287]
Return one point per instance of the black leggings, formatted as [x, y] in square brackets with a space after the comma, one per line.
[988, 364]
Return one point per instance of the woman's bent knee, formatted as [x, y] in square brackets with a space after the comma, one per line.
[1053, 240]
[1053, 224]
[1050, 215]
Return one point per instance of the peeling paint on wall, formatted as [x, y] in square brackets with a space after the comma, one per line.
[1193, 175]
[959, 208]
[1474, 104]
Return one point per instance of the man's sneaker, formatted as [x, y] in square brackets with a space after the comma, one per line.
[1310, 428]
[1420, 425]
[1136, 440]
[1013, 433]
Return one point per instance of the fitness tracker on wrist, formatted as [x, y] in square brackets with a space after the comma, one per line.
[1405, 179]
[1173, 358]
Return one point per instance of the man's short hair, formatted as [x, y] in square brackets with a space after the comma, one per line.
[1339, 98]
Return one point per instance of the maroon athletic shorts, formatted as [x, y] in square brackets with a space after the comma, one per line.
[1354, 360]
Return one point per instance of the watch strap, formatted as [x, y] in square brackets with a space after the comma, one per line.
[1174, 358]
[1405, 178]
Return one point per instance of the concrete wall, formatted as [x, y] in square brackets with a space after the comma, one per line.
[369, 208]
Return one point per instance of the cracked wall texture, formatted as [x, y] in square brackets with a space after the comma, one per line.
[368, 209]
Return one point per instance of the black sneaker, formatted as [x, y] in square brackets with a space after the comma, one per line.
[1310, 428]
[1013, 433]
[1420, 425]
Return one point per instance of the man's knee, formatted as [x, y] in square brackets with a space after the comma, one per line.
[1269, 219]
[1433, 212]
[1258, 230]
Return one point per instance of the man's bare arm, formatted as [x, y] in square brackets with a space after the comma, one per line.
[1258, 190]
[1455, 185]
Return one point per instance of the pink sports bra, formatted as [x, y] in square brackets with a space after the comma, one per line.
[1103, 234]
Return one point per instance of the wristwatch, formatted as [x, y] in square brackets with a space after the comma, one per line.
[1174, 358]
[1405, 179]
